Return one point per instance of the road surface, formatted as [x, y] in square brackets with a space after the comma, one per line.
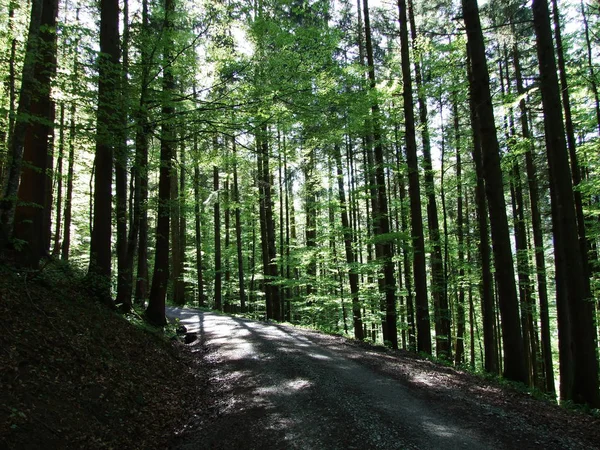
[280, 387]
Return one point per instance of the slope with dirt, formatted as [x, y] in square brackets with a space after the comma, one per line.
[74, 374]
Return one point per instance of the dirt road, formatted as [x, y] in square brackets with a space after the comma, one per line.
[275, 386]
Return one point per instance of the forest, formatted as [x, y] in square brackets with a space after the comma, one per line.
[420, 174]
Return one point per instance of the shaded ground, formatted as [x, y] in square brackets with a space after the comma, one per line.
[75, 375]
[274, 386]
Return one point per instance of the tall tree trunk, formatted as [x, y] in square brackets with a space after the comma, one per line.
[582, 387]
[198, 228]
[460, 310]
[59, 182]
[414, 188]
[514, 364]
[570, 134]
[32, 223]
[155, 312]
[107, 124]
[488, 309]
[124, 267]
[384, 247]
[66, 243]
[538, 239]
[218, 259]
[238, 231]
[176, 261]
[348, 245]
[16, 143]
[11, 91]
[438, 279]
[141, 156]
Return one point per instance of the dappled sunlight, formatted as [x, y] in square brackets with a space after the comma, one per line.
[291, 384]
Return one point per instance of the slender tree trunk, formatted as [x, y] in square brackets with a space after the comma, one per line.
[218, 259]
[419, 269]
[570, 133]
[176, 259]
[59, 182]
[460, 313]
[238, 231]
[538, 239]
[583, 386]
[438, 287]
[198, 227]
[488, 309]
[107, 124]
[11, 92]
[348, 245]
[514, 364]
[384, 248]
[66, 243]
[590, 61]
[141, 152]
[124, 266]
[155, 312]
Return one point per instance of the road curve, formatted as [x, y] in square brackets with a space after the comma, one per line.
[284, 390]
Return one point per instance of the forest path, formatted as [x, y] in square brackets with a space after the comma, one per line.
[284, 387]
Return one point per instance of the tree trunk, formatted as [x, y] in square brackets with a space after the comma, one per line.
[16, 143]
[176, 259]
[32, 212]
[238, 232]
[514, 364]
[460, 310]
[141, 155]
[538, 239]
[217, 224]
[570, 133]
[66, 243]
[124, 259]
[583, 386]
[155, 312]
[416, 216]
[198, 227]
[488, 309]
[348, 245]
[107, 124]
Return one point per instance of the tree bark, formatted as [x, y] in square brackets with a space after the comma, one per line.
[107, 124]
[439, 286]
[582, 387]
[141, 156]
[514, 364]
[348, 246]
[414, 188]
[155, 312]
[19, 129]
[217, 224]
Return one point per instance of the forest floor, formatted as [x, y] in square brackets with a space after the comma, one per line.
[76, 375]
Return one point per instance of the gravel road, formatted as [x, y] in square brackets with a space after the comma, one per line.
[283, 387]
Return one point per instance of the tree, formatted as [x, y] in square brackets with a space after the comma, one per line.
[414, 188]
[17, 137]
[155, 312]
[514, 364]
[107, 125]
[32, 224]
[578, 359]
